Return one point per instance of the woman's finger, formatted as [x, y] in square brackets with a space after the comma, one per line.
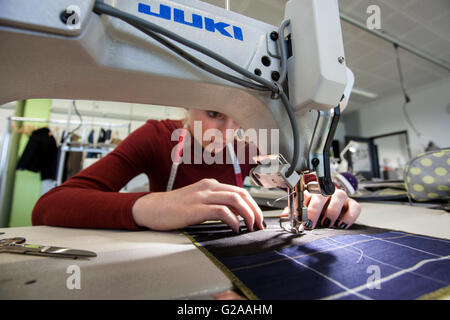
[306, 201]
[222, 213]
[236, 201]
[315, 207]
[217, 186]
[306, 198]
[350, 215]
[334, 208]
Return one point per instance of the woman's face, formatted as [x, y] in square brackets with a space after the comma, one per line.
[212, 123]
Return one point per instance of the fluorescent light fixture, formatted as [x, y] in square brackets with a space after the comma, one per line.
[364, 93]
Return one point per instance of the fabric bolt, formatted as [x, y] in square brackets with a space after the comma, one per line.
[359, 263]
[427, 176]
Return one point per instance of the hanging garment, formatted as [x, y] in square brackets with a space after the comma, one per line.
[91, 136]
[108, 136]
[73, 161]
[91, 141]
[40, 154]
[73, 164]
[102, 136]
[115, 139]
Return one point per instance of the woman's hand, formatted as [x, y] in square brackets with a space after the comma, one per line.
[336, 210]
[202, 201]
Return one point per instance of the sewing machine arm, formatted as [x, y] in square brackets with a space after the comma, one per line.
[262, 76]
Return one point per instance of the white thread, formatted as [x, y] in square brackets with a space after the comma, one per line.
[350, 291]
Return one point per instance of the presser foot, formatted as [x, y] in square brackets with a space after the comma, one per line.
[297, 221]
[296, 228]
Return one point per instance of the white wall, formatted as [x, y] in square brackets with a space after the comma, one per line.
[104, 110]
[429, 111]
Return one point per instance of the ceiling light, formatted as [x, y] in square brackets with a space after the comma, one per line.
[364, 93]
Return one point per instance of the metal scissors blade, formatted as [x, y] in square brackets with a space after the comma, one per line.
[17, 245]
[57, 251]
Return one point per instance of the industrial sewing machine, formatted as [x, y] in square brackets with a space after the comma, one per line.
[292, 78]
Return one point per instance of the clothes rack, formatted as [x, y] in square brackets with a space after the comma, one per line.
[65, 146]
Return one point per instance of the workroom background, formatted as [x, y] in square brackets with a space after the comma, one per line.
[22, 188]
[386, 133]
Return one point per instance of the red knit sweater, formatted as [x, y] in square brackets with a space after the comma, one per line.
[90, 199]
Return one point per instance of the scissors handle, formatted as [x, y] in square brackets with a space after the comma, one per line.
[11, 241]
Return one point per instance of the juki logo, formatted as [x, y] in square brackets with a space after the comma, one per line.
[165, 12]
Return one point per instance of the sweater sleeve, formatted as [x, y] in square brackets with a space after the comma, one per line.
[90, 199]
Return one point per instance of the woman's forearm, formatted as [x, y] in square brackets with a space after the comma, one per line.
[86, 208]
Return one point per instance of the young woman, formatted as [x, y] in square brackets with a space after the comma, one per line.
[198, 192]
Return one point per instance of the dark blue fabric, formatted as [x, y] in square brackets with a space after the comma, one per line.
[338, 267]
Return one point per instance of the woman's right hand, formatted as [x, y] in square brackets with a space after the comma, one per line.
[202, 201]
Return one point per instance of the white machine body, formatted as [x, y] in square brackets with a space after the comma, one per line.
[103, 58]
[317, 67]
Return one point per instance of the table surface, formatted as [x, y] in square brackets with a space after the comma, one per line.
[154, 265]
[129, 265]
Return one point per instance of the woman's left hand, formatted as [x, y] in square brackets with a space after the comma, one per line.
[336, 210]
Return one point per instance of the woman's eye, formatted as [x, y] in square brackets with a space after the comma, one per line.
[214, 114]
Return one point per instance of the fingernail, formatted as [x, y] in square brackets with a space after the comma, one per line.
[256, 227]
[308, 224]
[343, 225]
[326, 222]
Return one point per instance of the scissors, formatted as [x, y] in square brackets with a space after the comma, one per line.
[18, 245]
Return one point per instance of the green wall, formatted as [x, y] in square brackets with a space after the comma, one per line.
[10, 170]
[27, 186]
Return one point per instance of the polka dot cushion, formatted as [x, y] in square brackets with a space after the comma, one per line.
[427, 176]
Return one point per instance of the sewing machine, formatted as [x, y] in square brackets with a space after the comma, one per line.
[264, 77]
